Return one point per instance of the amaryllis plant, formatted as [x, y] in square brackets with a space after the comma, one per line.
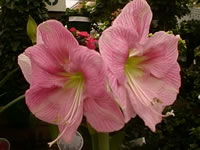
[132, 75]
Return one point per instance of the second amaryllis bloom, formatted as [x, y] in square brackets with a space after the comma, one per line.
[67, 81]
[143, 72]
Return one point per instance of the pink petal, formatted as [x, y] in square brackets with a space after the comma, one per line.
[150, 114]
[39, 38]
[40, 55]
[71, 129]
[103, 114]
[91, 65]
[57, 39]
[151, 95]
[161, 51]
[49, 104]
[136, 15]
[25, 65]
[97, 99]
[45, 68]
[171, 85]
[121, 96]
[45, 79]
[150, 118]
[115, 44]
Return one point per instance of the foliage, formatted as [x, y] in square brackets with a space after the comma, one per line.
[13, 41]
[82, 10]
[190, 32]
[166, 12]
[13, 34]
[104, 9]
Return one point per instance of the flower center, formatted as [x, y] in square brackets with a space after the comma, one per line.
[133, 65]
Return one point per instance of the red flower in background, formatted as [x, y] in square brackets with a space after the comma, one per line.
[91, 43]
[73, 29]
[84, 38]
[83, 34]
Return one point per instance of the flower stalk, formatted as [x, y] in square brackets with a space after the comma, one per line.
[11, 103]
[103, 141]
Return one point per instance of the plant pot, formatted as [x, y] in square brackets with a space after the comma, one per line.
[76, 144]
[4, 144]
[81, 23]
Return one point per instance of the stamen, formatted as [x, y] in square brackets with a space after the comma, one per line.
[137, 90]
[143, 97]
[75, 105]
[69, 118]
[170, 113]
[61, 134]
[133, 52]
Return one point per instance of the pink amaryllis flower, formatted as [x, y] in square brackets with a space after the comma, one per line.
[67, 81]
[143, 71]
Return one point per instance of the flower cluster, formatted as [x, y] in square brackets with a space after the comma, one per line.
[84, 38]
[133, 74]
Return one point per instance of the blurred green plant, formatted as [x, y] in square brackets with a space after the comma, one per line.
[13, 41]
[190, 32]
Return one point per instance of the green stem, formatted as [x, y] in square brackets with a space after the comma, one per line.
[94, 138]
[103, 141]
[7, 77]
[11, 103]
[100, 141]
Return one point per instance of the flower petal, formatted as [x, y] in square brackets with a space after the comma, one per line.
[39, 38]
[71, 129]
[45, 68]
[136, 15]
[25, 65]
[49, 104]
[103, 114]
[161, 53]
[171, 85]
[121, 97]
[142, 102]
[39, 54]
[150, 95]
[91, 65]
[114, 44]
[57, 39]
[151, 118]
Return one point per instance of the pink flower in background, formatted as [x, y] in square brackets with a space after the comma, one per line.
[67, 81]
[91, 43]
[143, 72]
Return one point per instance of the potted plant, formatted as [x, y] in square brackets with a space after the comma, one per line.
[79, 16]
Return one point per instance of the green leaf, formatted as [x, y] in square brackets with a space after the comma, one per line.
[31, 29]
[11, 103]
